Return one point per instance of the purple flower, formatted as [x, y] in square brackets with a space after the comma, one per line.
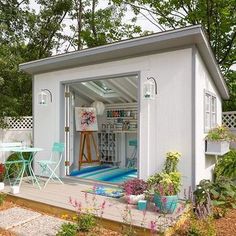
[153, 225]
[135, 186]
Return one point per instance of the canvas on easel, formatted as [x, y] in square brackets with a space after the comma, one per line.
[86, 119]
[86, 123]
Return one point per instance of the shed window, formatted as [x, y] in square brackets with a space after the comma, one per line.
[210, 111]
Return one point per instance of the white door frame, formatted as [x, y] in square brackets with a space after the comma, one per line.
[69, 135]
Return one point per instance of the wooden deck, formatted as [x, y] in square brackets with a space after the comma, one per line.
[54, 199]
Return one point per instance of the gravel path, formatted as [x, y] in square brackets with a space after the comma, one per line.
[25, 222]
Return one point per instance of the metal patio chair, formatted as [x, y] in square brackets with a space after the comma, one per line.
[132, 160]
[49, 166]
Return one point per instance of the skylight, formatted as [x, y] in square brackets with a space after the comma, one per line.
[100, 88]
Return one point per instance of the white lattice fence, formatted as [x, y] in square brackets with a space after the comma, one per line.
[18, 130]
[22, 123]
[229, 119]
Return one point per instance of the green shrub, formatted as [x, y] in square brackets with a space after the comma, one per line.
[86, 222]
[13, 169]
[201, 227]
[223, 193]
[67, 229]
[219, 194]
[2, 198]
[226, 166]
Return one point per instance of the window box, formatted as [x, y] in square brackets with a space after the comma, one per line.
[217, 147]
[218, 140]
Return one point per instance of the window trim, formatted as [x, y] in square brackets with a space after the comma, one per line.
[212, 96]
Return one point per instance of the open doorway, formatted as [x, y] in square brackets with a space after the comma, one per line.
[110, 152]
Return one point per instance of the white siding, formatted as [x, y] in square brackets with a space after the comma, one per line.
[203, 164]
[165, 122]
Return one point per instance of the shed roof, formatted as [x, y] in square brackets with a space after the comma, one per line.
[192, 35]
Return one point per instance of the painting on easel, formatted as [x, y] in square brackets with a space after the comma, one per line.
[86, 119]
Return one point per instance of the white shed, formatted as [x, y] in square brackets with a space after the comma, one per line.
[190, 89]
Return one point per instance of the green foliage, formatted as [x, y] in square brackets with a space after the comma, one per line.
[86, 222]
[201, 227]
[202, 199]
[2, 198]
[223, 193]
[226, 166]
[27, 35]
[67, 229]
[217, 18]
[220, 194]
[172, 160]
[167, 182]
[98, 26]
[220, 133]
[14, 169]
[230, 105]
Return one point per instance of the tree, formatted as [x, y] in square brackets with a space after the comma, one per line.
[97, 26]
[25, 36]
[230, 105]
[218, 18]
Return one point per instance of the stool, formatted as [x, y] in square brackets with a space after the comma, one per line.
[132, 160]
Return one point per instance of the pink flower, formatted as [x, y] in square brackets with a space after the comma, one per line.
[153, 225]
[103, 204]
[164, 200]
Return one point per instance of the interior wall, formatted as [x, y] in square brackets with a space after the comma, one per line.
[203, 164]
[165, 123]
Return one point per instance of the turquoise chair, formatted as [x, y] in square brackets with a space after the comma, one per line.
[50, 165]
[132, 160]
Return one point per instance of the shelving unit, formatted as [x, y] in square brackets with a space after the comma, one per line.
[108, 147]
[122, 118]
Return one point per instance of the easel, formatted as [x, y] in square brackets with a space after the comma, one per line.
[86, 139]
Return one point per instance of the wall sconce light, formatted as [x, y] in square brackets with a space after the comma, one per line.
[150, 88]
[43, 97]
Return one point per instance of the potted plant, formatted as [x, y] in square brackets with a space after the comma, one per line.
[218, 140]
[166, 185]
[2, 175]
[134, 190]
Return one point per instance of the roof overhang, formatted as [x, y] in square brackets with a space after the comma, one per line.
[193, 35]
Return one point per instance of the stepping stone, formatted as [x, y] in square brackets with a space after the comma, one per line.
[42, 226]
[16, 216]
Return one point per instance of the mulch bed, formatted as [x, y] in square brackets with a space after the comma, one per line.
[226, 226]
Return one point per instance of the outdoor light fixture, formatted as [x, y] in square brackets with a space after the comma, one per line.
[43, 97]
[150, 88]
[99, 106]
